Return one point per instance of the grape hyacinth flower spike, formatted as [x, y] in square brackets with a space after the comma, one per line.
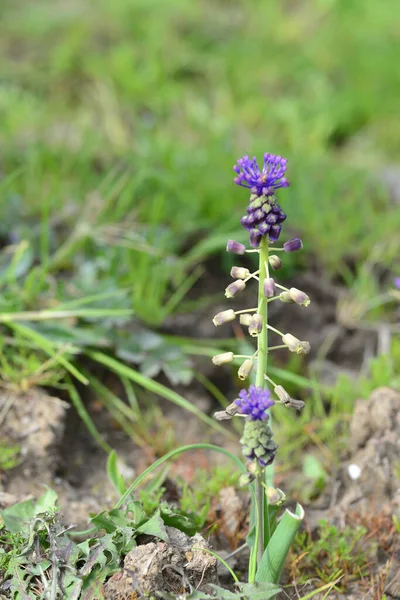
[263, 220]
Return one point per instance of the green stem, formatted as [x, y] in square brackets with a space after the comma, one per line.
[262, 351]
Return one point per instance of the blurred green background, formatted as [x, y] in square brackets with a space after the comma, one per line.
[120, 123]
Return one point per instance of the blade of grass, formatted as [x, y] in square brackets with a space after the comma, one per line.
[43, 315]
[86, 418]
[155, 387]
[47, 347]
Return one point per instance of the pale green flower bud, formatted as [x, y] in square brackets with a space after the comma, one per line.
[245, 319]
[235, 288]
[295, 345]
[245, 369]
[305, 347]
[275, 262]
[246, 479]
[286, 298]
[275, 496]
[228, 413]
[282, 394]
[255, 326]
[222, 359]
[224, 317]
[286, 399]
[299, 297]
[240, 273]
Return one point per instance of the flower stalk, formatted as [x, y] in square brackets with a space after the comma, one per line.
[263, 221]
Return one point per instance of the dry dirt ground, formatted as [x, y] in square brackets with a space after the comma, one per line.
[57, 451]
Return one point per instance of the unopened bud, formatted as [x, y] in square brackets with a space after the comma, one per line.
[293, 245]
[228, 413]
[295, 345]
[255, 238]
[246, 479]
[235, 247]
[286, 399]
[274, 496]
[282, 394]
[255, 326]
[269, 287]
[222, 359]
[235, 288]
[253, 467]
[224, 317]
[291, 342]
[297, 404]
[286, 298]
[299, 297]
[245, 319]
[305, 347]
[240, 273]
[245, 369]
[275, 262]
[222, 415]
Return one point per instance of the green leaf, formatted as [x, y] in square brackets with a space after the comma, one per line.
[174, 517]
[273, 559]
[154, 526]
[16, 517]
[113, 473]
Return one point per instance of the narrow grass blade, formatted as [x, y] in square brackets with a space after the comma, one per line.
[48, 348]
[155, 387]
[273, 559]
[328, 586]
[44, 315]
[86, 418]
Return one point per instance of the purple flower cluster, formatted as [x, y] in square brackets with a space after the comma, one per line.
[265, 182]
[264, 215]
[254, 403]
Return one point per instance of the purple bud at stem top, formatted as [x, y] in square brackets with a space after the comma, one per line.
[255, 326]
[269, 287]
[235, 247]
[275, 262]
[240, 273]
[223, 359]
[235, 288]
[224, 317]
[299, 297]
[245, 369]
[293, 245]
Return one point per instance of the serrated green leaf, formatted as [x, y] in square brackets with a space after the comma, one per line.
[154, 526]
[174, 517]
[16, 517]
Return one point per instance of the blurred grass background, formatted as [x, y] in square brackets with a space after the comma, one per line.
[120, 123]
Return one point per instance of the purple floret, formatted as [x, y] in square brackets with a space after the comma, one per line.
[254, 403]
[265, 182]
